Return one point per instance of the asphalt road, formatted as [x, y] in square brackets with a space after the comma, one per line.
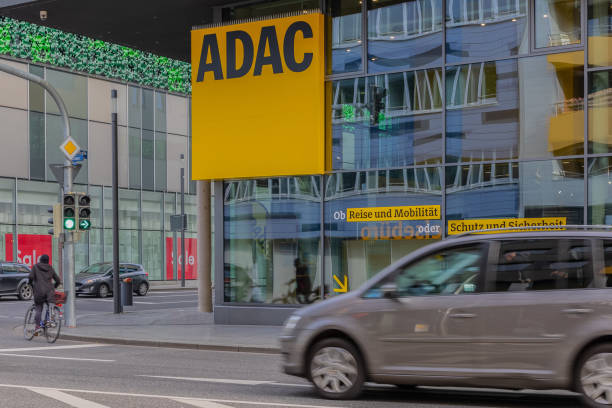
[87, 375]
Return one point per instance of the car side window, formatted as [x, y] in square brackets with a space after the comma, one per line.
[23, 269]
[607, 269]
[9, 269]
[451, 271]
[542, 264]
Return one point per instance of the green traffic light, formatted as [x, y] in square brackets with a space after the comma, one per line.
[84, 225]
[69, 223]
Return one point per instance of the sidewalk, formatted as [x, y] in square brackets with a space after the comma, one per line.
[185, 328]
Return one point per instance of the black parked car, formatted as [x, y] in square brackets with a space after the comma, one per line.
[14, 280]
[97, 279]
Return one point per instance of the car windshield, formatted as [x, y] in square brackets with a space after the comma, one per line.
[96, 269]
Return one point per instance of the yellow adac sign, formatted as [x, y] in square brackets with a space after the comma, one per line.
[258, 98]
[460, 226]
[413, 212]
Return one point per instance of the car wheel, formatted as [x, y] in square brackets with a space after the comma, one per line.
[336, 369]
[103, 291]
[593, 376]
[143, 289]
[25, 292]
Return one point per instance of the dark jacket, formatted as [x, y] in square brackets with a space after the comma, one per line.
[42, 277]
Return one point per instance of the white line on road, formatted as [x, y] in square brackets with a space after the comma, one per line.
[75, 346]
[226, 381]
[66, 398]
[157, 296]
[128, 394]
[58, 358]
[139, 302]
[194, 290]
[200, 403]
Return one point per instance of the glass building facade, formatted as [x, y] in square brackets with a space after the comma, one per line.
[493, 109]
[153, 131]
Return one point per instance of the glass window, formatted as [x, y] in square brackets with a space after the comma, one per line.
[606, 274]
[134, 107]
[552, 105]
[516, 190]
[96, 246]
[557, 22]
[600, 32]
[33, 200]
[73, 90]
[160, 161]
[482, 118]
[134, 142]
[169, 209]
[36, 92]
[360, 249]
[160, 112]
[152, 253]
[346, 36]
[271, 243]
[129, 209]
[408, 129]
[452, 271]
[479, 29]
[148, 110]
[542, 264]
[600, 191]
[37, 145]
[404, 34]
[151, 210]
[148, 159]
[600, 112]
[7, 212]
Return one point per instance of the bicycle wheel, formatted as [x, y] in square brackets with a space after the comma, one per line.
[53, 325]
[29, 323]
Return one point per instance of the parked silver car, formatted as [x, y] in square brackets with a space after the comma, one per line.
[527, 310]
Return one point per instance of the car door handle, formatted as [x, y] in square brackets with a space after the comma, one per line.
[462, 315]
[577, 311]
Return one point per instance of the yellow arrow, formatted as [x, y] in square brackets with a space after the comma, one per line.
[343, 286]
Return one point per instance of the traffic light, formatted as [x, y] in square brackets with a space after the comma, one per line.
[56, 220]
[69, 211]
[376, 102]
[84, 209]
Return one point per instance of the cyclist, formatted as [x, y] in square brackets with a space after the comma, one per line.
[41, 278]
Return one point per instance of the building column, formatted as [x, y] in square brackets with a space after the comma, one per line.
[204, 246]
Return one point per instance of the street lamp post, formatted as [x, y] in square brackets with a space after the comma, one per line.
[184, 261]
[116, 289]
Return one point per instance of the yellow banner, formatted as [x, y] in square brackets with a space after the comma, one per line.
[415, 212]
[460, 226]
[258, 98]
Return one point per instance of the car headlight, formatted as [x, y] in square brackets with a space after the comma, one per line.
[291, 322]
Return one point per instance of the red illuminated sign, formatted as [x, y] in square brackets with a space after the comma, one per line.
[29, 248]
[191, 255]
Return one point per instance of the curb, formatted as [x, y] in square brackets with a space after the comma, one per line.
[167, 344]
[159, 288]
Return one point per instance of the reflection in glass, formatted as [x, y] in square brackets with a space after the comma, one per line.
[600, 111]
[409, 128]
[359, 250]
[503, 23]
[482, 118]
[557, 22]
[550, 188]
[271, 231]
[345, 36]
[266, 9]
[600, 191]
[551, 103]
[600, 32]
[404, 34]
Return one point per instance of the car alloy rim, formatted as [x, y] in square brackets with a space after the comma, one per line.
[333, 369]
[142, 289]
[596, 378]
[26, 291]
[103, 291]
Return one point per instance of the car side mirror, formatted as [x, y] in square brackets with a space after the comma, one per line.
[389, 291]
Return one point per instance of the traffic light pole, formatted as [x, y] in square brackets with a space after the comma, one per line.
[118, 308]
[68, 252]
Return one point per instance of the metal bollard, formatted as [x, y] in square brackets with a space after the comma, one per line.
[127, 292]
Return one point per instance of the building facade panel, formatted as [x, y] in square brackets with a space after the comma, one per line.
[99, 100]
[14, 90]
[14, 138]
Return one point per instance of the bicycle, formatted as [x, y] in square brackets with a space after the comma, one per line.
[51, 325]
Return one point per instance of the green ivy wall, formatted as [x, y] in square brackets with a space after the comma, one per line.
[47, 45]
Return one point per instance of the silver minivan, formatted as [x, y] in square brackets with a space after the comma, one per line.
[521, 310]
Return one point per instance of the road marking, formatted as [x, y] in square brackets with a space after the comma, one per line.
[174, 291]
[75, 346]
[58, 358]
[129, 394]
[200, 403]
[167, 303]
[162, 296]
[67, 398]
[226, 381]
